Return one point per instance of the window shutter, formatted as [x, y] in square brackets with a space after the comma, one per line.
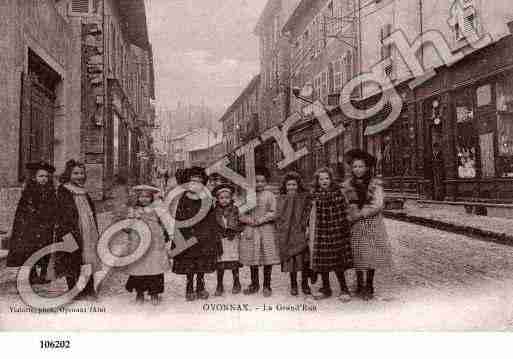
[79, 7]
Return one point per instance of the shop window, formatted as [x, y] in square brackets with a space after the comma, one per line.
[332, 152]
[466, 146]
[505, 139]
[387, 159]
[375, 148]
[484, 95]
[505, 95]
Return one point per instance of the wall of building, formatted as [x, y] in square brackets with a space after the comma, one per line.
[38, 26]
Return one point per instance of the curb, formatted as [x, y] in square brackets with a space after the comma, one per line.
[485, 235]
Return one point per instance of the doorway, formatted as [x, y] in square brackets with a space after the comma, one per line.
[434, 159]
[38, 100]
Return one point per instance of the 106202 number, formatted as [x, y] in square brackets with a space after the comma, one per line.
[55, 344]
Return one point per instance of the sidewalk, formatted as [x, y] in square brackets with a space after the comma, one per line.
[499, 230]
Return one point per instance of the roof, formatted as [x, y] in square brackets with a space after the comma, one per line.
[133, 12]
[253, 84]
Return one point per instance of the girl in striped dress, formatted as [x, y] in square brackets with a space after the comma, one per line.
[369, 241]
[258, 246]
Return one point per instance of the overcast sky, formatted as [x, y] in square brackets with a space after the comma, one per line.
[203, 49]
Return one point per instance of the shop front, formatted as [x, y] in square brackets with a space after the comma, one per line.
[454, 138]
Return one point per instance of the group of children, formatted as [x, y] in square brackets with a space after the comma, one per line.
[332, 228]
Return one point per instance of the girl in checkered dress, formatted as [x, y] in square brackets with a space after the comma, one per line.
[369, 241]
[328, 233]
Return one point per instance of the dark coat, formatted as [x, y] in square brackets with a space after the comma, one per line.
[34, 224]
[202, 257]
[233, 226]
[68, 222]
[291, 225]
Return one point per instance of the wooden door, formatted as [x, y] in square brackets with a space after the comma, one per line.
[37, 122]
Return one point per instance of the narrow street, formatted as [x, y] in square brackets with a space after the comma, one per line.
[444, 281]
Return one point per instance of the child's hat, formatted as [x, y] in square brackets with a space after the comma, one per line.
[42, 165]
[225, 187]
[145, 188]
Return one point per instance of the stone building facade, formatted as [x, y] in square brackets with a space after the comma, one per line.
[79, 84]
[40, 109]
[324, 56]
[117, 91]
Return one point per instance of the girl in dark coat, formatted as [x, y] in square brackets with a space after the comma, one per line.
[76, 218]
[329, 233]
[34, 221]
[229, 230]
[202, 257]
[290, 231]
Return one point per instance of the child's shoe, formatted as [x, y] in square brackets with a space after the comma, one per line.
[237, 288]
[219, 291]
[267, 292]
[252, 289]
[155, 299]
[305, 287]
[139, 299]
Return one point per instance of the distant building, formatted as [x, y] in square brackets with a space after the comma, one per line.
[274, 92]
[195, 148]
[241, 123]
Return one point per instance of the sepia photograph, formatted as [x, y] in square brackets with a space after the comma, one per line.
[235, 166]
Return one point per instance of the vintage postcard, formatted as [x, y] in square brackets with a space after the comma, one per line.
[256, 165]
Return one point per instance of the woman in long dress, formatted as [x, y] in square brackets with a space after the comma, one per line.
[76, 220]
[369, 241]
[34, 221]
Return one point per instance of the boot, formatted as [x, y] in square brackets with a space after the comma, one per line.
[44, 270]
[236, 282]
[155, 299]
[359, 284]
[344, 291]
[369, 287]
[254, 287]
[201, 292]
[139, 299]
[325, 292]
[267, 281]
[293, 284]
[220, 288]
[304, 284]
[189, 290]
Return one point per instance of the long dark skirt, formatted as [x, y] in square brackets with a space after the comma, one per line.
[297, 263]
[229, 265]
[153, 284]
[205, 264]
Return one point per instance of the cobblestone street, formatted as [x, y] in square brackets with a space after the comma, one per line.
[443, 281]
